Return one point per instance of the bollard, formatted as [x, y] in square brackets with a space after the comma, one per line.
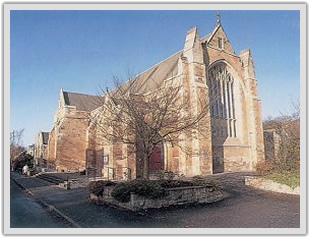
[67, 184]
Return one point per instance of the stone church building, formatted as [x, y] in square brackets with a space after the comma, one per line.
[207, 67]
[40, 149]
[67, 140]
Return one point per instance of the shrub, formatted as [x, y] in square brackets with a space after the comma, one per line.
[197, 181]
[279, 172]
[265, 167]
[176, 183]
[169, 175]
[144, 188]
[212, 184]
[97, 187]
[22, 160]
[152, 189]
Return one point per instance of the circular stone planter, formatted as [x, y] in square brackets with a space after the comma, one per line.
[174, 197]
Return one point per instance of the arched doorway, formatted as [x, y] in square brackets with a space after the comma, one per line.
[156, 161]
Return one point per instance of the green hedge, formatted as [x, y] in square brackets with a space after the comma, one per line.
[156, 188]
[144, 188]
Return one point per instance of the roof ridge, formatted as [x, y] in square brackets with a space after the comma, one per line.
[81, 93]
[215, 29]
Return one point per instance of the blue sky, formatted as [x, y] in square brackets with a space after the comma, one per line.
[81, 50]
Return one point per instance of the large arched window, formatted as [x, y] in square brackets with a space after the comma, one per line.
[222, 103]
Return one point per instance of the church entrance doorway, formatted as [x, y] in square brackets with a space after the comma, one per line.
[156, 161]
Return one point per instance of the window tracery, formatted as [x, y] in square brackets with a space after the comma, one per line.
[222, 103]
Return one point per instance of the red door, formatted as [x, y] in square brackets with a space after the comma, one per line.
[156, 159]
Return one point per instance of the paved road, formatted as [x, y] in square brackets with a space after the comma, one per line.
[246, 208]
[27, 213]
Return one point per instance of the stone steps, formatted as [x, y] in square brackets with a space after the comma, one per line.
[50, 178]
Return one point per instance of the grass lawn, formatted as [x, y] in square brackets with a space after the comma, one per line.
[290, 178]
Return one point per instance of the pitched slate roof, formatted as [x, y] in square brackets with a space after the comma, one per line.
[82, 102]
[45, 136]
[154, 76]
[146, 81]
[161, 71]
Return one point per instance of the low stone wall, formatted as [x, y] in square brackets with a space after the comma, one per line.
[267, 184]
[78, 183]
[175, 196]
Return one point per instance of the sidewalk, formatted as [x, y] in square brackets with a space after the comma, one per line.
[48, 194]
[26, 212]
[74, 206]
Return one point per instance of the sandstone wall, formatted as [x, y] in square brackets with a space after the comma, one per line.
[70, 141]
[272, 145]
[243, 152]
[51, 149]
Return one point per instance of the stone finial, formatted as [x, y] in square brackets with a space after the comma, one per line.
[218, 17]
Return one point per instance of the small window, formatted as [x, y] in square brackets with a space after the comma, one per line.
[220, 43]
[105, 159]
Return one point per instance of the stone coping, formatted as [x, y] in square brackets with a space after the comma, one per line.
[269, 185]
[182, 188]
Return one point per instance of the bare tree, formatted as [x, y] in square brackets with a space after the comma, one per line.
[143, 119]
[289, 131]
[287, 127]
[16, 147]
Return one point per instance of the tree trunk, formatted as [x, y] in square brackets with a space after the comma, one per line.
[145, 167]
